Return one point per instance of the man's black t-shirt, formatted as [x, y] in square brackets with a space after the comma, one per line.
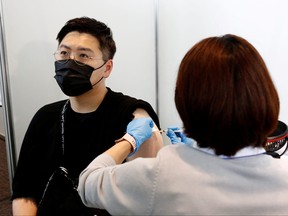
[85, 137]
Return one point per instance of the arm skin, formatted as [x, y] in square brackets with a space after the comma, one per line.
[24, 207]
[120, 151]
[151, 146]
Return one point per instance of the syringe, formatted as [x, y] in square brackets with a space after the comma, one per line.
[166, 130]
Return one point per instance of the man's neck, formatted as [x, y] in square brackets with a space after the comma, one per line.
[89, 101]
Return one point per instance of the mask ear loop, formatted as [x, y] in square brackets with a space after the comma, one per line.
[102, 76]
[98, 81]
[100, 66]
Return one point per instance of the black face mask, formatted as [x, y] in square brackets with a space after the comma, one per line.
[74, 79]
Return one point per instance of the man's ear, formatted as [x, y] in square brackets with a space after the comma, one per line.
[108, 68]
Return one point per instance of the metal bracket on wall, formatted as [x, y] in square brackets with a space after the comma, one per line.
[6, 102]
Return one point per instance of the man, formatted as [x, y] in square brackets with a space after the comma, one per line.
[71, 133]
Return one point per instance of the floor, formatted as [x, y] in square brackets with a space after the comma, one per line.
[5, 193]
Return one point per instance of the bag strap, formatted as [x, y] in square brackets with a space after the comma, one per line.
[62, 121]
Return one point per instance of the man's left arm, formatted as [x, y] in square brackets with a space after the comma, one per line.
[151, 146]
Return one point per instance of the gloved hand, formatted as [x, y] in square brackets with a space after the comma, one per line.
[141, 130]
[177, 137]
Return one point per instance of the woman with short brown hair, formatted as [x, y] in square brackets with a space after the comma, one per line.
[228, 105]
[225, 95]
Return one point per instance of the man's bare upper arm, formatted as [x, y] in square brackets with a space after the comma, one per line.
[150, 147]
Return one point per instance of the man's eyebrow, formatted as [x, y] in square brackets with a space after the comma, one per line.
[78, 49]
[64, 46]
[85, 49]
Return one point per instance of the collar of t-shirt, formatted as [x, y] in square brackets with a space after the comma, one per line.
[245, 152]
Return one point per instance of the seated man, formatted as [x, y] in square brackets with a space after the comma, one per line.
[71, 133]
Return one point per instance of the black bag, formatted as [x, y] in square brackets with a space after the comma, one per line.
[61, 198]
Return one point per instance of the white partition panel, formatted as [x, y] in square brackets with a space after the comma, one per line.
[182, 23]
[31, 27]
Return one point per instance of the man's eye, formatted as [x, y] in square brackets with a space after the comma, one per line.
[64, 53]
[83, 56]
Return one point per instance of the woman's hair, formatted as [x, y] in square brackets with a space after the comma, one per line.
[95, 28]
[225, 95]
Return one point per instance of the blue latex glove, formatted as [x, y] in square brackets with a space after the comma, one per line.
[141, 130]
[177, 137]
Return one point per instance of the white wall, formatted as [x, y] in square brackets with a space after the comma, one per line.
[182, 23]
